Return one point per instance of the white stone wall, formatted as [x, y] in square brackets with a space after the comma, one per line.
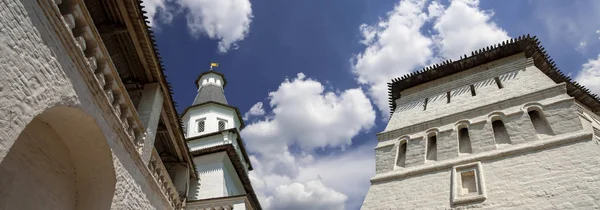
[217, 177]
[38, 168]
[212, 113]
[564, 177]
[535, 171]
[37, 74]
[518, 76]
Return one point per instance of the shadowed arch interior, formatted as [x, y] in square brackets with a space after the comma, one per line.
[62, 161]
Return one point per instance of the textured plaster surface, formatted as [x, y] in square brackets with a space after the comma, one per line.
[536, 175]
[564, 177]
[37, 74]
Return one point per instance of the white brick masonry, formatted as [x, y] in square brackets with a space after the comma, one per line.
[37, 73]
[556, 170]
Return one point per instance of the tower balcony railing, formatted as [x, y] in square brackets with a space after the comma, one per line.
[80, 38]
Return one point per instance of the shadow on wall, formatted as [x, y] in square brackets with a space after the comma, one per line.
[61, 160]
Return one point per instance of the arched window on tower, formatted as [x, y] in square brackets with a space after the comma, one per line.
[432, 146]
[401, 159]
[500, 134]
[464, 141]
[540, 124]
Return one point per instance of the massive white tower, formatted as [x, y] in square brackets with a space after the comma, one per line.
[213, 133]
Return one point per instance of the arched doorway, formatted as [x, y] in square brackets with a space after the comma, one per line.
[59, 161]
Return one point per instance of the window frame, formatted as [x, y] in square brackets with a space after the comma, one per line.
[457, 171]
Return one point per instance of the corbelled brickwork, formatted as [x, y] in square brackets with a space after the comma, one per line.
[38, 74]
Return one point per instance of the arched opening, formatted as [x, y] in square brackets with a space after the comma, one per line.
[500, 134]
[540, 124]
[432, 146]
[464, 141]
[59, 161]
[401, 159]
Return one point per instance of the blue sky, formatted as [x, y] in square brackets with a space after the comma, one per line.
[311, 74]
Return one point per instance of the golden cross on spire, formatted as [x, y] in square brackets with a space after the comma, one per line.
[213, 64]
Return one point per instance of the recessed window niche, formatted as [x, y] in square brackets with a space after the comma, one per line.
[467, 183]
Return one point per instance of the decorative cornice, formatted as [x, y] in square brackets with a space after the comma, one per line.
[529, 45]
[238, 139]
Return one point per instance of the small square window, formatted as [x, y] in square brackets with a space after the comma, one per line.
[467, 184]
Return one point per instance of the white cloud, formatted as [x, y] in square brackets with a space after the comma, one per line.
[589, 75]
[345, 173]
[463, 27]
[306, 116]
[310, 195]
[152, 7]
[255, 110]
[396, 45]
[225, 20]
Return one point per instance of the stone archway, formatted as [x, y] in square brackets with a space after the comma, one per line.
[61, 160]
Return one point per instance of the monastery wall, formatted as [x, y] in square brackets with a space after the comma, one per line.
[561, 177]
[39, 74]
[546, 161]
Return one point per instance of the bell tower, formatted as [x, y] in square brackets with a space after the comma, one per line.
[213, 135]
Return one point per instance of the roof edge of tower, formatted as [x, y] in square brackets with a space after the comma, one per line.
[522, 44]
[210, 72]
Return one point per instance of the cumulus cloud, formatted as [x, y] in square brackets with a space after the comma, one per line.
[255, 110]
[396, 45]
[227, 21]
[307, 117]
[463, 27]
[589, 75]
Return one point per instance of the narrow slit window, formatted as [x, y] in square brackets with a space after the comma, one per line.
[425, 104]
[498, 82]
[201, 126]
[539, 123]
[448, 97]
[500, 134]
[221, 125]
[473, 90]
[401, 161]
[464, 141]
[432, 147]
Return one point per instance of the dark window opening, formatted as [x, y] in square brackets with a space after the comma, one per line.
[401, 155]
[500, 134]
[464, 141]
[539, 123]
[432, 147]
[201, 126]
[425, 104]
[221, 125]
[473, 90]
[448, 97]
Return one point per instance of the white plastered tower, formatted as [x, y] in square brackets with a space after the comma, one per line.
[502, 128]
[212, 129]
